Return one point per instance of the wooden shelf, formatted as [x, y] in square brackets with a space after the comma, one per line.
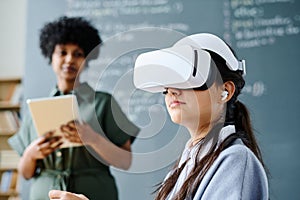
[2, 169]
[7, 133]
[10, 80]
[8, 194]
[10, 95]
[7, 106]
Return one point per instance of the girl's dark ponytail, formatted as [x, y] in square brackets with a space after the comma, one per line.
[244, 129]
[236, 112]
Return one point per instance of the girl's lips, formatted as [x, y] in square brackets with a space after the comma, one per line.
[175, 103]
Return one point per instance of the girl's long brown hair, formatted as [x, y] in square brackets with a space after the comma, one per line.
[237, 114]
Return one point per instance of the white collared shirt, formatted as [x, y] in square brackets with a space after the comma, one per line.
[190, 152]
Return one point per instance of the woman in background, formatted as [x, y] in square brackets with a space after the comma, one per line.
[68, 43]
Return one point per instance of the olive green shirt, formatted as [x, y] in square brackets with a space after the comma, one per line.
[79, 169]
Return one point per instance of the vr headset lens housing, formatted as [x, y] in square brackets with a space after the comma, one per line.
[186, 65]
[182, 67]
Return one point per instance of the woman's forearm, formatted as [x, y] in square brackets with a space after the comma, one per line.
[119, 157]
[38, 149]
[27, 165]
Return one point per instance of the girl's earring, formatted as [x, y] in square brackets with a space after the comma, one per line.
[224, 95]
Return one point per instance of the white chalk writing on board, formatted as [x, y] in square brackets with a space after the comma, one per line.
[252, 23]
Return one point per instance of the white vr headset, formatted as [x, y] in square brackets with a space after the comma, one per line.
[185, 65]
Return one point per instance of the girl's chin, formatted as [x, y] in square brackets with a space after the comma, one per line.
[176, 120]
[69, 77]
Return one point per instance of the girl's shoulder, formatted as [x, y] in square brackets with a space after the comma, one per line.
[237, 152]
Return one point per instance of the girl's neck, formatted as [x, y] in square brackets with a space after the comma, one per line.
[198, 134]
[201, 131]
[67, 86]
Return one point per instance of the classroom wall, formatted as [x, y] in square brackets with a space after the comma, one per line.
[12, 40]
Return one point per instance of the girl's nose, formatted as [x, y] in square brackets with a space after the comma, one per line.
[69, 57]
[174, 91]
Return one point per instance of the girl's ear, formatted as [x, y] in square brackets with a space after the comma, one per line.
[229, 89]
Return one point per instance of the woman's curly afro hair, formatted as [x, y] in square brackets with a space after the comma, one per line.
[65, 30]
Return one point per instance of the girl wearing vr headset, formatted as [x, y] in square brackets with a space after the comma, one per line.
[222, 159]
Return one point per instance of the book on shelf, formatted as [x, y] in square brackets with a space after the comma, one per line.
[10, 91]
[9, 180]
[9, 159]
[9, 121]
[16, 97]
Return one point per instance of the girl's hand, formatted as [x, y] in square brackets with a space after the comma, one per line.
[64, 195]
[44, 145]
